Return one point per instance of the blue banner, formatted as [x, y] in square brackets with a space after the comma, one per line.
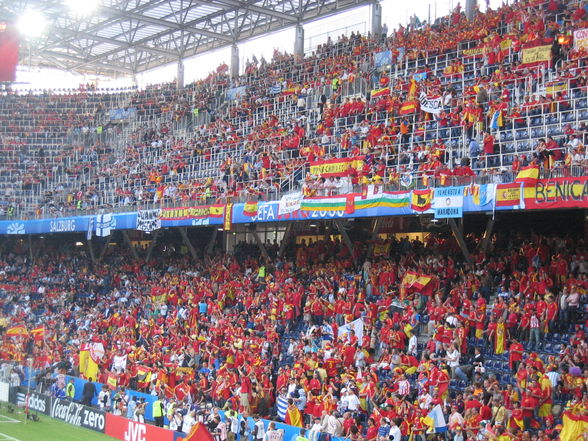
[448, 202]
[123, 221]
[383, 58]
[236, 93]
[119, 114]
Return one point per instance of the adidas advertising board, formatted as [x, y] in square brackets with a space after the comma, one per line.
[35, 402]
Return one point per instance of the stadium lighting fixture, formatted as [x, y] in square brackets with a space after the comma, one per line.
[82, 8]
[31, 24]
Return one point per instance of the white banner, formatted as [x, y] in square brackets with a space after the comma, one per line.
[148, 220]
[580, 39]
[290, 203]
[431, 104]
[355, 326]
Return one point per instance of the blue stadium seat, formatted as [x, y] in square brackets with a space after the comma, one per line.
[522, 133]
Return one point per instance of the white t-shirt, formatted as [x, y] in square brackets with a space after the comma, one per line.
[395, 433]
[352, 402]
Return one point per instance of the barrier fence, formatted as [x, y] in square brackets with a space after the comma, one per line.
[119, 427]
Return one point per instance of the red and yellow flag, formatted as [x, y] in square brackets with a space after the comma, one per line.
[112, 381]
[217, 210]
[499, 339]
[574, 426]
[293, 416]
[228, 219]
[381, 92]
[250, 209]
[198, 433]
[412, 89]
[18, 330]
[408, 107]
[528, 175]
[38, 333]
[421, 199]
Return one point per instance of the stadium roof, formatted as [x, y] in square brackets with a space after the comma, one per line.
[132, 36]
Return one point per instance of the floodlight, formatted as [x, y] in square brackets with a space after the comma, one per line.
[31, 24]
[82, 7]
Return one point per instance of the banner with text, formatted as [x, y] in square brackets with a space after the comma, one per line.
[557, 193]
[289, 203]
[128, 430]
[431, 104]
[78, 415]
[536, 53]
[448, 202]
[198, 212]
[581, 39]
[335, 167]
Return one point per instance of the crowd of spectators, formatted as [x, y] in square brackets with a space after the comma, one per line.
[294, 111]
[499, 342]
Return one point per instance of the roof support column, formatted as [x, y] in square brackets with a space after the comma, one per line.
[127, 240]
[104, 248]
[470, 9]
[487, 235]
[211, 243]
[346, 238]
[376, 226]
[285, 239]
[180, 75]
[299, 41]
[376, 10]
[458, 235]
[186, 240]
[260, 244]
[234, 61]
[155, 236]
[91, 250]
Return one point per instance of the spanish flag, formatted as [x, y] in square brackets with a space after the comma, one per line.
[293, 416]
[38, 333]
[421, 281]
[198, 433]
[18, 330]
[290, 91]
[88, 367]
[409, 278]
[499, 339]
[516, 420]
[112, 381]
[217, 210]
[408, 107]
[250, 209]
[381, 92]
[574, 426]
[528, 175]
[421, 199]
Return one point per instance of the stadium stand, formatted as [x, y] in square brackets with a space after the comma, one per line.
[447, 348]
[491, 340]
[498, 114]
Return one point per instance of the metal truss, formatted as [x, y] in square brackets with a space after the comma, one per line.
[131, 36]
